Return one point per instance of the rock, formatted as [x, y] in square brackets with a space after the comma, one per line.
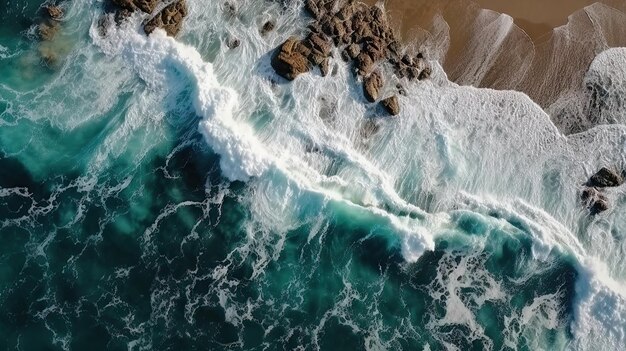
[289, 60]
[401, 89]
[54, 12]
[122, 15]
[318, 44]
[311, 6]
[372, 85]
[424, 74]
[170, 18]
[233, 43]
[147, 6]
[375, 49]
[595, 201]
[353, 50]
[268, 27]
[391, 105]
[325, 67]
[606, 178]
[364, 64]
[599, 206]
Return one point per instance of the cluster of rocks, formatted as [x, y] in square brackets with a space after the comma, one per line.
[169, 18]
[364, 37]
[593, 194]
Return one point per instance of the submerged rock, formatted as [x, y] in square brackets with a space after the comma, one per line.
[606, 178]
[291, 59]
[391, 105]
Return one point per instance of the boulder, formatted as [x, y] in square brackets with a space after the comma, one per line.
[606, 178]
[289, 61]
[594, 200]
[170, 18]
[233, 43]
[424, 74]
[391, 105]
[353, 50]
[364, 64]
[372, 85]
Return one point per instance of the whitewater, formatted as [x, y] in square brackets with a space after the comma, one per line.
[475, 191]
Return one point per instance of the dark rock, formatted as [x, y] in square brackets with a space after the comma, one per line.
[54, 12]
[595, 201]
[606, 178]
[325, 67]
[599, 206]
[391, 105]
[372, 85]
[170, 18]
[425, 73]
[289, 61]
[233, 43]
[268, 27]
[401, 89]
[122, 15]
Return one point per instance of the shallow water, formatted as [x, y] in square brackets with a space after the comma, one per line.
[175, 194]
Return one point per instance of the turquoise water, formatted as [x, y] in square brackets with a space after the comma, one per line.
[174, 195]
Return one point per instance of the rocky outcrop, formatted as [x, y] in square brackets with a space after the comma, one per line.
[391, 105]
[363, 35]
[291, 59]
[170, 18]
[593, 195]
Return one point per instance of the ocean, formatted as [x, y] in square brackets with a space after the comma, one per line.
[162, 193]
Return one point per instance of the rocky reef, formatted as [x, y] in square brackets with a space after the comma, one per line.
[169, 17]
[363, 36]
